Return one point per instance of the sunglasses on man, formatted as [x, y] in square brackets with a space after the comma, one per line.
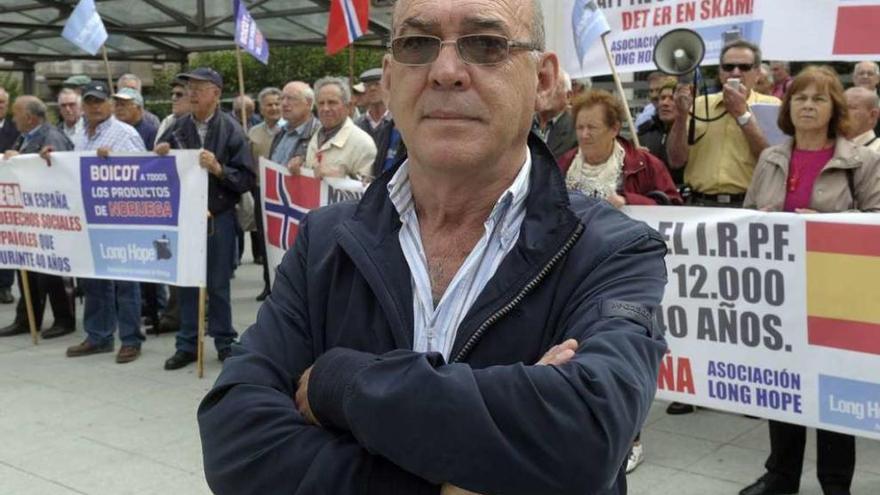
[474, 49]
[741, 67]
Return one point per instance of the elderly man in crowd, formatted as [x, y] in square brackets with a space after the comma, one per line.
[261, 137]
[864, 111]
[250, 110]
[29, 115]
[378, 123]
[128, 106]
[71, 120]
[654, 133]
[339, 148]
[109, 303]
[179, 106]
[655, 81]
[227, 158]
[781, 72]
[134, 82]
[866, 74]
[553, 121]
[8, 135]
[468, 325]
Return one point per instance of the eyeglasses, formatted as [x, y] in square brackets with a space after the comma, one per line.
[741, 67]
[475, 49]
[177, 94]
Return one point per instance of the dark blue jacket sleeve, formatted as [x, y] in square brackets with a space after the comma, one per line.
[237, 170]
[255, 441]
[515, 429]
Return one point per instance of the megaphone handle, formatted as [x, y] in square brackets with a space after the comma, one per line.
[692, 129]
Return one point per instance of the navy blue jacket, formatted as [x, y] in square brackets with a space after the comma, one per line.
[229, 144]
[402, 422]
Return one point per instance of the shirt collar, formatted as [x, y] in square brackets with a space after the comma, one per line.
[511, 200]
[206, 121]
[385, 116]
[299, 129]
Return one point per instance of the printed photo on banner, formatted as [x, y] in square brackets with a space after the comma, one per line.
[770, 314]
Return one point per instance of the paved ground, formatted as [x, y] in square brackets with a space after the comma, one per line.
[90, 426]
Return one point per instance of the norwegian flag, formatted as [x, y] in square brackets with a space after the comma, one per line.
[347, 22]
[288, 199]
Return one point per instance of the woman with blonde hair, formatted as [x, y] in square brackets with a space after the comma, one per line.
[817, 170]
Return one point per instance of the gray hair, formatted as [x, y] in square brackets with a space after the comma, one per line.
[741, 43]
[270, 91]
[129, 77]
[35, 107]
[868, 62]
[70, 91]
[338, 81]
[865, 95]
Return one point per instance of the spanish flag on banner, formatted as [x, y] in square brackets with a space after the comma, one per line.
[843, 286]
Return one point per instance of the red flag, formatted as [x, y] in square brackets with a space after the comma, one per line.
[347, 22]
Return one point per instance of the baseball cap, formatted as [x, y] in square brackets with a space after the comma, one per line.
[96, 89]
[130, 94]
[359, 88]
[371, 75]
[76, 81]
[203, 74]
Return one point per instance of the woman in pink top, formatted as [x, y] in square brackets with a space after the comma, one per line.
[815, 171]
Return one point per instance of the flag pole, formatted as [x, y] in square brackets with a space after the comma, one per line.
[200, 344]
[29, 305]
[107, 67]
[351, 64]
[629, 119]
[241, 86]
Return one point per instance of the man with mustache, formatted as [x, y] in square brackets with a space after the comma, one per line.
[468, 325]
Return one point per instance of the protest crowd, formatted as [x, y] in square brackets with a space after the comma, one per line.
[336, 128]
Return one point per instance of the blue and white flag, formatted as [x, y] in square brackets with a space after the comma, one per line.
[588, 24]
[248, 35]
[84, 27]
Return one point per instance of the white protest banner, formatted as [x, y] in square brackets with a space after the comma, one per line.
[838, 30]
[287, 198]
[120, 218]
[773, 314]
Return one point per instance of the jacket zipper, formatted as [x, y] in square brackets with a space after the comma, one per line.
[472, 341]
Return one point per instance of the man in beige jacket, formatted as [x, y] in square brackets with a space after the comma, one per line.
[339, 148]
[864, 111]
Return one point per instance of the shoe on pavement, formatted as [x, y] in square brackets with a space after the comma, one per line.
[127, 354]
[263, 295]
[222, 354]
[179, 360]
[14, 329]
[677, 408]
[6, 296]
[56, 331]
[87, 348]
[769, 484]
[636, 457]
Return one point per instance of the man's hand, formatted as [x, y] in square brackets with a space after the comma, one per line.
[735, 100]
[302, 398]
[295, 165]
[9, 154]
[209, 162]
[162, 149]
[44, 154]
[448, 489]
[684, 100]
[103, 152]
[559, 354]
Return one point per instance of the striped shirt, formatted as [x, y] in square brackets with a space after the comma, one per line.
[114, 134]
[436, 327]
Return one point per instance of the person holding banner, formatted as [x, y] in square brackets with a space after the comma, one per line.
[29, 115]
[817, 170]
[109, 303]
[8, 136]
[227, 158]
[608, 166]
[469, 326]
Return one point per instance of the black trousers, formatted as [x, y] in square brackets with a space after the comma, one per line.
[41, 286]
[835, 462]
[258, 216]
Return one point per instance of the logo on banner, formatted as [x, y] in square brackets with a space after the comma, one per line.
[288, 199]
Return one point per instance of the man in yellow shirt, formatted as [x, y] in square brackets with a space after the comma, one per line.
[728, 138]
